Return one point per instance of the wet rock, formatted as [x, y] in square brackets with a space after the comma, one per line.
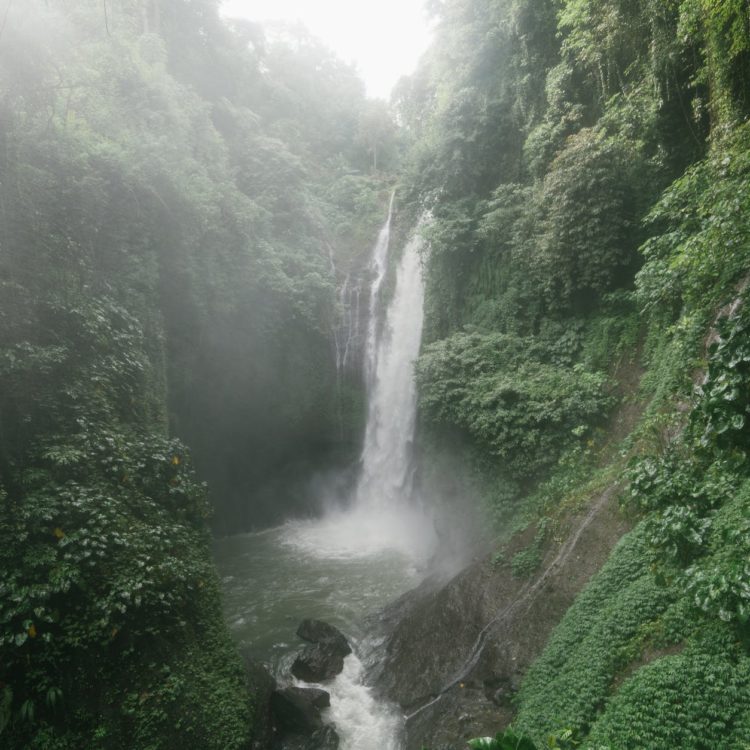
[325, 658]
[297, 710]
[261, 686]
[319, 662]
[318, 631]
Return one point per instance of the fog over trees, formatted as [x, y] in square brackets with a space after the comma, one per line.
[205, 340]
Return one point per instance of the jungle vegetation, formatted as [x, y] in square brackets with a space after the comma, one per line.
[176, 196]
[176, 193]
[586, 166]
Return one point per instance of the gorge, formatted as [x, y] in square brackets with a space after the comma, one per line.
[465, 374]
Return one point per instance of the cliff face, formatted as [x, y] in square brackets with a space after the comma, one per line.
[456, 653]
[586, 165]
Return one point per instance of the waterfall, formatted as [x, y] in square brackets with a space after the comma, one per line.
[383, 513]
[355, 353]
[385, 478]
[379, 265]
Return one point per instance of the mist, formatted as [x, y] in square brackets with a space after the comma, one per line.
[211, 307]
[348, 364]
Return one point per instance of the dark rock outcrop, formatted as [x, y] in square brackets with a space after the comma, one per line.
[318, 631]
[318, 663]
[324, 659]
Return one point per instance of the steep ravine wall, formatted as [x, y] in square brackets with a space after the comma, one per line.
[454, 655]
[455, 681]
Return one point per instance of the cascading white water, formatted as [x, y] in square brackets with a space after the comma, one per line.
[383, 513]
[385, 479]
[379, 265]
[361, 721]
[383, 526]
[352, 350]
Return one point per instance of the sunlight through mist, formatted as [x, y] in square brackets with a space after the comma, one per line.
[383, 39]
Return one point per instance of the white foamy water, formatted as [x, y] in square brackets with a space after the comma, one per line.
[362, 721]
[385, 481]
[384, 514]
[363, 531]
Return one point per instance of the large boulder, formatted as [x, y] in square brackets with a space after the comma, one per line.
[318, 663]
[318, 631]
[324, 659]
[297, 710]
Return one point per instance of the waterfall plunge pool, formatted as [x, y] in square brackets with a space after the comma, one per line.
[338, 569]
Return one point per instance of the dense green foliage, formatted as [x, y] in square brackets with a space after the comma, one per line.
[585, 163]
[524, 409]
[178, 198]
[511, 740]
[111, 635]
[655, 651]
[542, 134]
[550, 142]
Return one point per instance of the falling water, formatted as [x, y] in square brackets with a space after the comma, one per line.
[348, 334]
[379, 265]
[384, 514]
[385, 480]
[355, 353]
[355, 559]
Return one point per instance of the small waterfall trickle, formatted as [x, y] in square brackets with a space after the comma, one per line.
[348, 334]
[379, 265]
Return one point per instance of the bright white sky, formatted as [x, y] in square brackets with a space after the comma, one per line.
[383, 38]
